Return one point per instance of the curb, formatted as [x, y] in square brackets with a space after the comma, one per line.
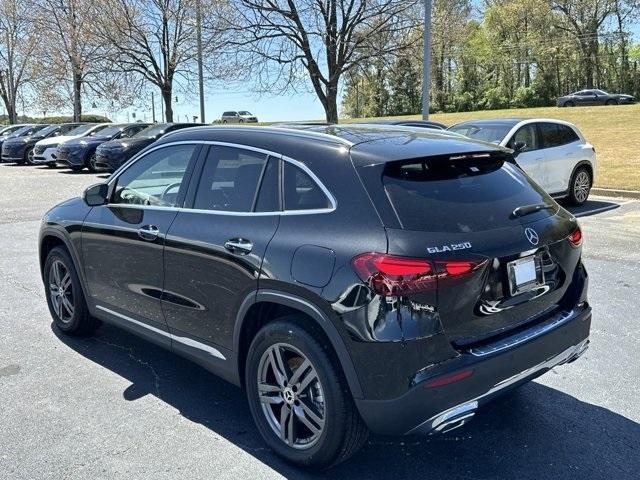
[612, 192]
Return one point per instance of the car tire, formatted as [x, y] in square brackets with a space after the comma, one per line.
[51, 165]
[91, 162]
[611, 102]
[65, 297]
[580, 186]
[224, 121]
[76, 168]
[28, 156]
[327, 428]
[569, 104]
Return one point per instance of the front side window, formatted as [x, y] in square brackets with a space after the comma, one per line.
[301, 192]
[230, 180]
[527, 134]
[155, 179]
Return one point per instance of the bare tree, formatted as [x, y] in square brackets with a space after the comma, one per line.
[17, 43]
[71, 47]
[288, 41]
[155, 39]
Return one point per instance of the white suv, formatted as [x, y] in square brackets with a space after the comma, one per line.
[552, 152]
[242, 116]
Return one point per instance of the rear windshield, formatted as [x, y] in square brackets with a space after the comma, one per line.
[464, 195]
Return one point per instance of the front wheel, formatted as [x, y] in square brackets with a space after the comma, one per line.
[65, 298]
[611, 102]
[580, 186]
[569, 104]
[91, 163]
[299, 399]
[28, 156]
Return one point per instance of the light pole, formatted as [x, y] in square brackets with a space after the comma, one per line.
[153, 108]
[426, 62]
[199, 40]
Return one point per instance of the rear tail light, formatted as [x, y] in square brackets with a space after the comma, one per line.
[391, 275]
[575, 239]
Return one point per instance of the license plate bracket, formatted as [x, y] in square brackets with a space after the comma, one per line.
[525, 274]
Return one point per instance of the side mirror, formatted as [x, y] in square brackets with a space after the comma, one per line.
[96, 195]
[518, 147]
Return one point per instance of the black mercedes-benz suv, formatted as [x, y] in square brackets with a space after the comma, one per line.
[350, 278]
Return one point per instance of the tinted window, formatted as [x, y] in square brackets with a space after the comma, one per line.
[441, 195]
[527, 134]
[301, 192]
[156, 178]
[230, 179]
[268, 197]
[554, 135]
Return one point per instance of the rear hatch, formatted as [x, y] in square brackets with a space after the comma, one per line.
[498, 244]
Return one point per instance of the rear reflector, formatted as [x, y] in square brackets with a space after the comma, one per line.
[575, 239]
[391, 275]
[448, 379]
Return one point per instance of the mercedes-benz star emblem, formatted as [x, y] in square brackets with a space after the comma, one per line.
[532, 236]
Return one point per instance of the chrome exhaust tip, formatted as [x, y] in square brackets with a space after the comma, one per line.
[454, 418]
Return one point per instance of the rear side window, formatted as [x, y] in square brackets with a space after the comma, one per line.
[268, 195]
[461, 196]
[554, 134]
[230, 180]
[301, 192]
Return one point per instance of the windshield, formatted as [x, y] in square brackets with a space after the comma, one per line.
[47, 130]
[9, 130]
[488, 132]
[26, 130]
[152, 131]
[244, 112]
[81, 130]
[108, 132]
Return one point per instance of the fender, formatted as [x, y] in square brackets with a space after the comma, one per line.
[61, 234]
[581, 163]
[304, 305]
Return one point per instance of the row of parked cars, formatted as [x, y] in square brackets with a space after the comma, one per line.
[94, 146]
[553, 152]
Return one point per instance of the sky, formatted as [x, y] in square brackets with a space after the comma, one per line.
[268, 108]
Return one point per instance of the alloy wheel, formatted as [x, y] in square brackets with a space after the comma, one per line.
[61, 291]
[291, 396]
[30, 157]
[581, 186]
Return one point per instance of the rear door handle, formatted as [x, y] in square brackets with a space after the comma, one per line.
[148, 232]
[239, 246]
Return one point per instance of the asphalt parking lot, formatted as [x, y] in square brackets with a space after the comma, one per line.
[113, 406]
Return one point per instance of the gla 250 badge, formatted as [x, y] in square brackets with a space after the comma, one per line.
[449, 248]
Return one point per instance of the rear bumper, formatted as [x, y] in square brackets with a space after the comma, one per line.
[485, 373]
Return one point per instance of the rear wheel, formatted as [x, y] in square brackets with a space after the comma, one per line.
[298, 398]
[580, 186]
[65, 298]
[611, 102]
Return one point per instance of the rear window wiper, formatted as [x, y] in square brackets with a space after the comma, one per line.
[527, 209]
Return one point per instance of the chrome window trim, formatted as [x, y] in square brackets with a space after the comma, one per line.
[284, 158]
[184, 340]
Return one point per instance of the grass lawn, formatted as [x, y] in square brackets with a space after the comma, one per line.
[614, 131]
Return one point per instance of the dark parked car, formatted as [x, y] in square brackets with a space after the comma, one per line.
[350, 278]
[19, 149]
[594, 97]
[13, 146]
[110, 155]
[79, 153]
[411, 123]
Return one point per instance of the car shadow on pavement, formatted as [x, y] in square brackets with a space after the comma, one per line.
[536, 432]
[590, 207]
